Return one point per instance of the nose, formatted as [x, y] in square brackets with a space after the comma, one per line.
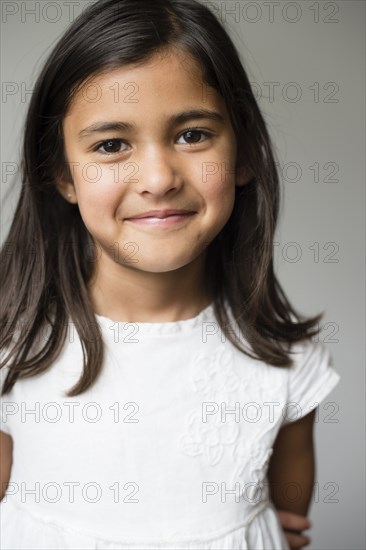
[157, 171]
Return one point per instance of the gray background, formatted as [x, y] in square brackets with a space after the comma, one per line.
[313, 54]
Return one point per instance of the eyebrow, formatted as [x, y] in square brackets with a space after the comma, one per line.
[179, 118]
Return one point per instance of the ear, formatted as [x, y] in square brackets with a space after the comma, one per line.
[66, 188]
[244, 175]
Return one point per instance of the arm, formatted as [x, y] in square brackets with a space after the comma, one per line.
[6, 455]
[291, 474]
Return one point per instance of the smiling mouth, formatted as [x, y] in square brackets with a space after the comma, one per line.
[162, 213]
[167, 221]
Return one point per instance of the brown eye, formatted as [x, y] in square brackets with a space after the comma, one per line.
[110, 146]
[192, 136]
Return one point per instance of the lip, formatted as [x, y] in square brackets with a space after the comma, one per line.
[161, 214]
[161, 222]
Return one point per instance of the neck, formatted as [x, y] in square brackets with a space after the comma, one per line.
[131, 295]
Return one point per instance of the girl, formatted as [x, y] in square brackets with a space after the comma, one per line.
[158, 387]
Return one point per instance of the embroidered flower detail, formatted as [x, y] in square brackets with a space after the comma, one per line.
[213, 374]
[253, 458]
[208, 438]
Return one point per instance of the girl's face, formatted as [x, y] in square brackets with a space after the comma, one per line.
[131, 148]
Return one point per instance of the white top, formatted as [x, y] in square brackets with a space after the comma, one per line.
[169, 448]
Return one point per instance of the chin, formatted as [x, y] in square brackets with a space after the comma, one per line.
[162, 265]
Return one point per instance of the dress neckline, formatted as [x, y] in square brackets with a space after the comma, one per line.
[161, 327]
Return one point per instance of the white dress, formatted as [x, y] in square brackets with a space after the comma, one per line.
[169, 449]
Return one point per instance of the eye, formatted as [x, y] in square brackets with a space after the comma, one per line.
[110, 146]
[192, 134]
[113, 146]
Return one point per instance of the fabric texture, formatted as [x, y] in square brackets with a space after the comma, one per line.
[168, 449]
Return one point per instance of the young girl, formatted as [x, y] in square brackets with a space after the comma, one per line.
[158, 389]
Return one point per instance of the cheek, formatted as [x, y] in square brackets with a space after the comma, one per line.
[94, 181]
[97, 186]
[218, 187]
[217, 175]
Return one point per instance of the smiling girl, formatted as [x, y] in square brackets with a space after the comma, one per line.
[158, 388]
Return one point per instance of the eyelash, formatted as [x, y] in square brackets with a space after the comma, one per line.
[193, 128]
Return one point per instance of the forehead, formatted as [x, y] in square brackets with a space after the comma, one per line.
[169, 80]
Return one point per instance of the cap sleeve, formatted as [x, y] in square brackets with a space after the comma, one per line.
[311, 378]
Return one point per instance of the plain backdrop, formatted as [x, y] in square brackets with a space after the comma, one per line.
[306, 62]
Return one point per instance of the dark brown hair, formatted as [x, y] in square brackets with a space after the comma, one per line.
[48, 258]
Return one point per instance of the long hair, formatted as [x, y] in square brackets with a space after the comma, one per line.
[47, 259]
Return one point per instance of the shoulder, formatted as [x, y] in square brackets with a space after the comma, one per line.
[311, 361]
[311, 377]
